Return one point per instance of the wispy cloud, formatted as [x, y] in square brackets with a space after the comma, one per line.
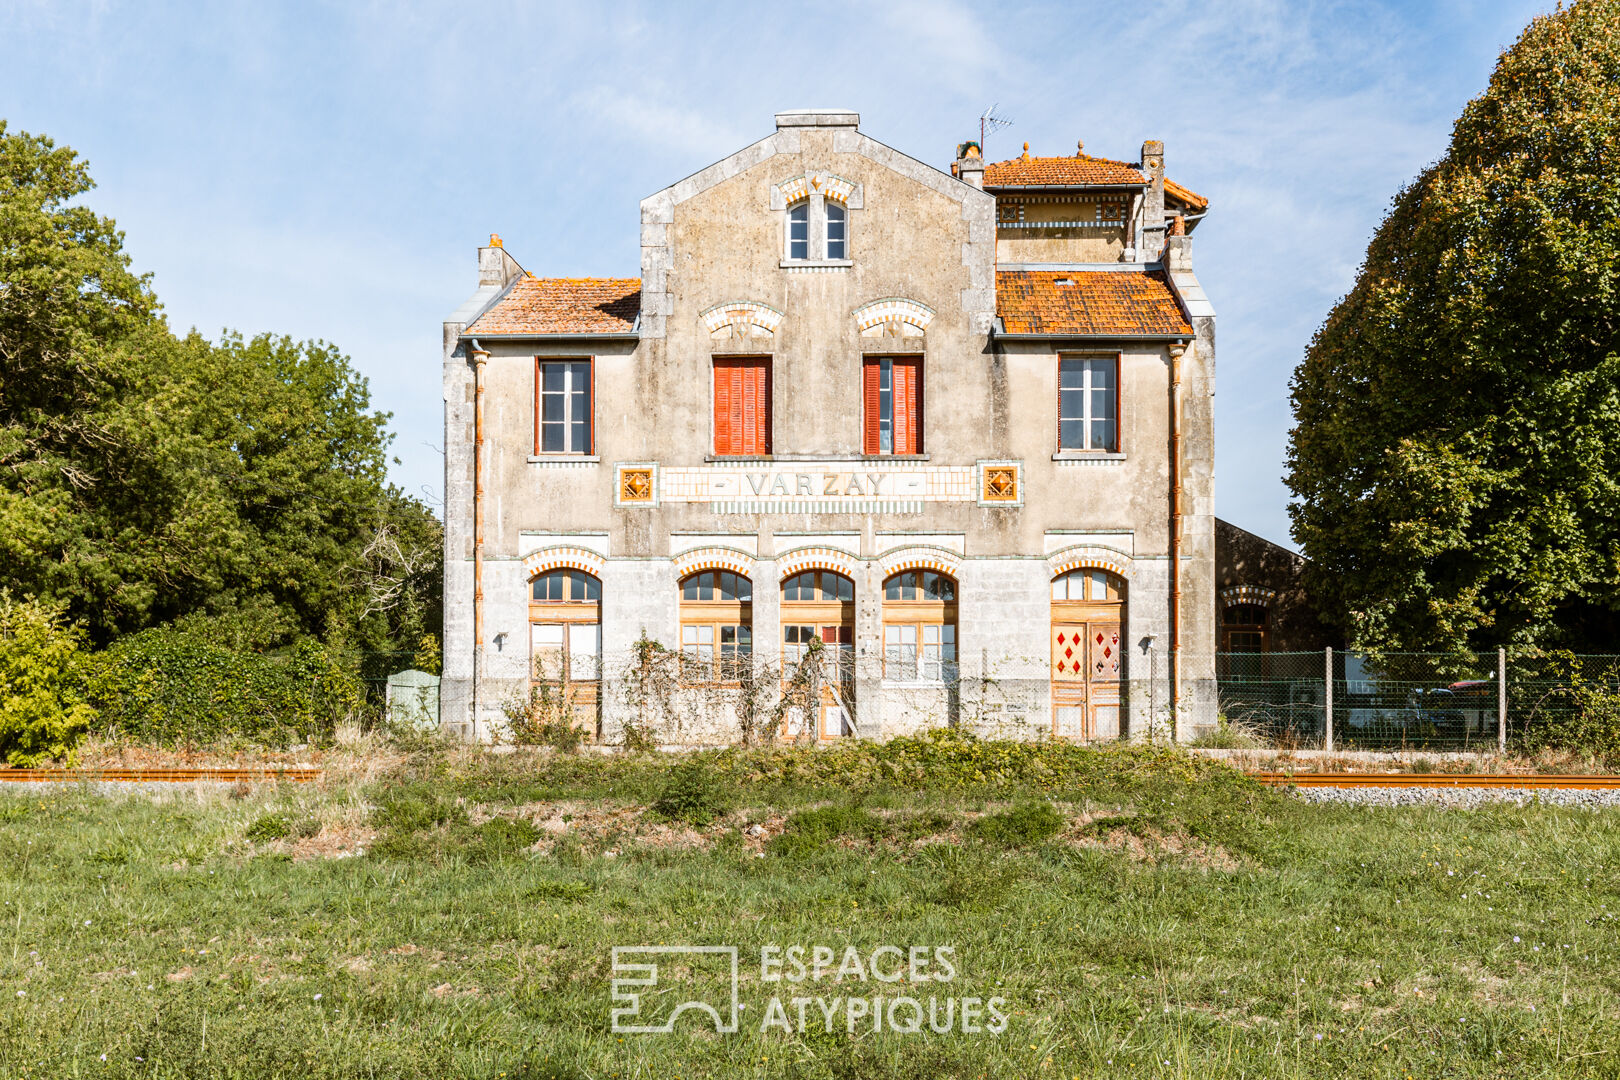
[327, 170]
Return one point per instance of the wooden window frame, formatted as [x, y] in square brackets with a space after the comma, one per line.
[873, 437]
[565, 613]
[1118, 446]
[714, 614]
[716, 362]
[919, 614]
[540, 363]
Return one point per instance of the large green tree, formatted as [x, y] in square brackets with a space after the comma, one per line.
[1456, 452]
[147, 478]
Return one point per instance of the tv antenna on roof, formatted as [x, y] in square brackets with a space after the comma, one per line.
[989, 122]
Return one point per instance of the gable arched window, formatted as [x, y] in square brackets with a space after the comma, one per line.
[919, 626]
[798, 238]
[717, 626]
[837, 231]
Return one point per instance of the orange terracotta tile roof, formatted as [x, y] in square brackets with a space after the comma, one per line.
[1077, 171]
[564, 306]
[1094, 302]
[1191, 198]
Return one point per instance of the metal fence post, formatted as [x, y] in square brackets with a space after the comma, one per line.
[1501, 700]
[1327, 710]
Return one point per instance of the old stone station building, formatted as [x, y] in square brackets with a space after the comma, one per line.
[947, 432]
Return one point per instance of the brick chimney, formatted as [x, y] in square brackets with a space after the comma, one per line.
[969, 165]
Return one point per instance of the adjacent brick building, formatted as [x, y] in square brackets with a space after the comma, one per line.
[954, 426]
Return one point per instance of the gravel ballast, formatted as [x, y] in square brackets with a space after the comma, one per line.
[1460, 798]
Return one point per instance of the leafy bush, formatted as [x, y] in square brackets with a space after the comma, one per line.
[1025, 824]
[168, 686]
[694, 793]
[41, 712]
[545, 718]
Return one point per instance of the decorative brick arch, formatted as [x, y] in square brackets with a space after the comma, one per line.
[714, 558]
[1089, 557]
[1233, 595]
[873, 319]
[563, 557]
[798, 560]
[833, 188]
[746, 316]
[922, 557]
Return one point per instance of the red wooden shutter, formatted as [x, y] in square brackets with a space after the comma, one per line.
[908, 406]
[725, 427]
[742, 406]
[871, 384]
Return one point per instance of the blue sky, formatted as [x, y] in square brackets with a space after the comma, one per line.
[326, 171]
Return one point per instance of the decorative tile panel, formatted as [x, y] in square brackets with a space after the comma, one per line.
[1001, 483]
[635, 483]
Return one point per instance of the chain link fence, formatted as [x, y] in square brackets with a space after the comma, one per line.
[1409, 701]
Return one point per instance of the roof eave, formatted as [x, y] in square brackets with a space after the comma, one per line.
[529, 335]
[1176, 337]
[1064, 187]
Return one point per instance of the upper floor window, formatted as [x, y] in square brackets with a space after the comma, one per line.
[799, 230]
[837, 219]
[742, 406]
[817, 229]
[562, 412]
[892, 403]
[1088, 403]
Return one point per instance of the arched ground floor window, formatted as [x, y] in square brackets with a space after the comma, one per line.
[565, 647]
[819, 605]
[717, 627]
[919, 627]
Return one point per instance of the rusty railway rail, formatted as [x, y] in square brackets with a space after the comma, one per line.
[164, 776]
[1438, 780]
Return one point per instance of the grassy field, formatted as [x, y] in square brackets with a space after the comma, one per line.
[451, 913]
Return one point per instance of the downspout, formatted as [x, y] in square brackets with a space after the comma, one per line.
[1175, 541]
[480, 355]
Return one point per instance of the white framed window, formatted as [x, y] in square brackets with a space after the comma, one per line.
[562, 415]
[817, 230]
[1088, 404]
[837, 235]
[799, 230]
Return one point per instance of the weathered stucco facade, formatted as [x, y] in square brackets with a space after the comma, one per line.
[899, 357]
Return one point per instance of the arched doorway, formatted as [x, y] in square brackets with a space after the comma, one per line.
[819, 605]
[1088, 612]
[565, 644]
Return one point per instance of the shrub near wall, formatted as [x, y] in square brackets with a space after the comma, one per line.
[169, 687]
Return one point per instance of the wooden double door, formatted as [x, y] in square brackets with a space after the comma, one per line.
[1086, 668]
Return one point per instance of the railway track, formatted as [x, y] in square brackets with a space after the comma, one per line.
[161, 776]
[1439, 780]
